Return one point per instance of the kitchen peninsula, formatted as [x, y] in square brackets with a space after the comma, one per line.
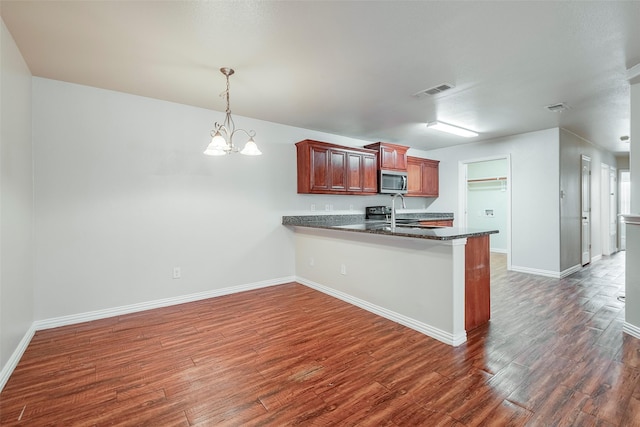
[432, 279]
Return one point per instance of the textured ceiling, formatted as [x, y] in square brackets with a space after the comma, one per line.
[351, 68]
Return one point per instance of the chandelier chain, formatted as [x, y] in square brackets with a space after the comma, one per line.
[223, 133]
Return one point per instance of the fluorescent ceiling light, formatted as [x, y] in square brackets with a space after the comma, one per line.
[444, 127]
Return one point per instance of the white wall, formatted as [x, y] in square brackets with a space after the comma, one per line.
[634, 154]
[571, 149]
[416, 282]
[124, 194]
[632, 307]
[16, 199]
[534, 193]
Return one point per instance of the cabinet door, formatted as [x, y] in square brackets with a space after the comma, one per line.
[393, 158]
[355, 172]
[338, 170]
[430, 179]
[387, 157]
[414, 175]
[401, 159]
[423, 177]
[319, 168]
[325, 168]
[362, 173]
[370, 173]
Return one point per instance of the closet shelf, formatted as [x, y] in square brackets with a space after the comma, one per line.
[493, 179]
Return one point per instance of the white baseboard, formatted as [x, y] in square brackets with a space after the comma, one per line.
[149, 305]
[11, 364]
[547, 273]
[38, 325]
[440, 335]
[596, 258]
[536, 271]
[632, 330]
[569, 271]
[498, 250]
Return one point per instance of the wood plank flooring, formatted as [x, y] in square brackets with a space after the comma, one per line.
[553, 355]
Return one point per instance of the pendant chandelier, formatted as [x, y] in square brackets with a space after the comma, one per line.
[222, 133]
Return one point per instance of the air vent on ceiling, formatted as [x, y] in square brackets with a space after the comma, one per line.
[434, 90]
[557, 108]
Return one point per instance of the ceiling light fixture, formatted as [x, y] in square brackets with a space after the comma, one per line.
[445, 127]
[222, 133]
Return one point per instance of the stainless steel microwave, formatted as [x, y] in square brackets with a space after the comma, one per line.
[392, 182]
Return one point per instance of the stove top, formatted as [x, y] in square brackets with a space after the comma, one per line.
[377, 212]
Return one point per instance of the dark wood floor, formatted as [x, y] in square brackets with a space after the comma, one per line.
[553, 355]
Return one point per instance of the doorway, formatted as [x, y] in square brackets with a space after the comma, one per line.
[485, 199]
[608, 209]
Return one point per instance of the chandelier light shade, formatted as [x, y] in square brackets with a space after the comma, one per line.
[223, 133]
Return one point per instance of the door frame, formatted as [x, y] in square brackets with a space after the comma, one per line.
[462, 195]
[613, 208]
[585, 210]
[622, 234]
[605, 219]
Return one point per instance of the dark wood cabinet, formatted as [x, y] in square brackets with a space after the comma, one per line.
[390, 156]
[325, 168]
[477, 291]
[423, 177]
[437, 222]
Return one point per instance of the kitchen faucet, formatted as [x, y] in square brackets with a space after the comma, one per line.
[393, 209]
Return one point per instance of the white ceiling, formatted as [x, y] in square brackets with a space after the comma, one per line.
[351, 67]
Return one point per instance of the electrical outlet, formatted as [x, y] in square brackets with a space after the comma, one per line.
[313, 206]
[343, 270]
[327, 207]
[312, 262]
[177, 273]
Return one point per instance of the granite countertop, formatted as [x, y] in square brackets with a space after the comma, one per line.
[357, 223]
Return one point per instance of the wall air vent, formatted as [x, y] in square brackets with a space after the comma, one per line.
[557, 108]
[434, 90]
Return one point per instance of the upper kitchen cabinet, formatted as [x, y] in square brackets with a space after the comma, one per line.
[423, 177]
[325, 168]
[390, 156]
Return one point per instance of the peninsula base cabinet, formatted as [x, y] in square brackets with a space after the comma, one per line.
[423, 177]
[437, 223]
[477, 293]
[325, 168]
